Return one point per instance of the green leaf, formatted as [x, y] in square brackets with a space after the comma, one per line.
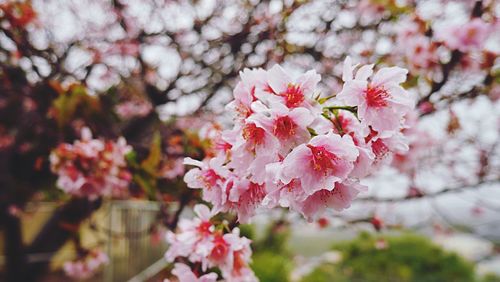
[150, 164]
[67, 105]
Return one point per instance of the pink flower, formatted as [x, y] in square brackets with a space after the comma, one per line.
[236, 265]
[209, 176]
[87, 266]
[173, 169]
[92, 167]
[193, 238]
[289, 126]
[421, 53]
[384, 147]
[381, 102]
[287, 150]
[131, 109]
[244, 196]
[252, 81]
[421, 144]
[345, 122]
[466, 37]
[200, 241]
[252, 148]
[338, 198]
[325, 160]
[284, 195]
[185, 274]
[291, 92]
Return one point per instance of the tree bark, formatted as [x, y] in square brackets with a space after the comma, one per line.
[14, 248]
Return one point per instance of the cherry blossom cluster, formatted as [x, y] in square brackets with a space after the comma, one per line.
[87, 266]
[133, 108]
[200, 241]
[92, 167]
[424, 53]
[291, 148]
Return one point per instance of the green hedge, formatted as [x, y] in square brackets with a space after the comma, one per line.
[406, 258]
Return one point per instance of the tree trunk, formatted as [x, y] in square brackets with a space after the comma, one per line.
[62, 225]
[14, 249]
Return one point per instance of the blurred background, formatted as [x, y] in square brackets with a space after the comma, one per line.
[157, 71]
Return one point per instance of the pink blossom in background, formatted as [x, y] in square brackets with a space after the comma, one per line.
[92, 167]
[466, 37]
[173, 169]
[421, 53]
[370, 11]
[132, 109]
[87, 266]
[420, 144]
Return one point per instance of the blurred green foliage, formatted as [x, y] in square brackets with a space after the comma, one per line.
[402, 258]
[271, 260]
[271, 267]
[405, 257]
[490, 278]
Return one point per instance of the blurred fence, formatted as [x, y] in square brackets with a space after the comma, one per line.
[130, 247]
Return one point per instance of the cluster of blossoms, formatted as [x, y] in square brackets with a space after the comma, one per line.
[291, 150]
[92, 167]
[133, 108]
[200, 241]
[425, 53]
[87, 266]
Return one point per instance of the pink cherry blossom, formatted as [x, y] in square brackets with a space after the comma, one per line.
[285, 147]
[384, 147]
[253, 147]
[421, 53]
[236, 265]
[172, 168]
[92, 167]
[185, 274]
[131, 109]
[87, 266]
[466, 37]
[194, 237]
[289, 126]
[244, 197]
[291, 92]
[381, 101]
[338, 198]
[252, 81]
[199, 240]
[210, 176]
[326, 159]
[345, 122]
